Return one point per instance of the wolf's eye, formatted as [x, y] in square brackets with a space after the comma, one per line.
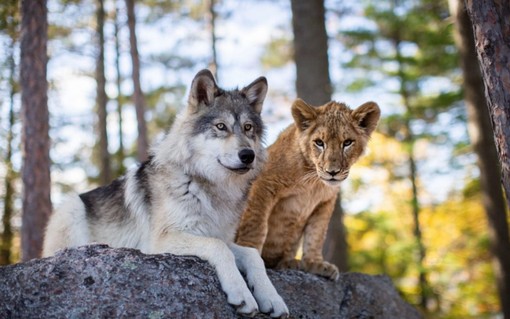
[221, 126]
[319, 143]
[248, 127]
[348, 142]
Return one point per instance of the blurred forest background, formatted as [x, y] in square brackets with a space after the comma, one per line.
[425, 205]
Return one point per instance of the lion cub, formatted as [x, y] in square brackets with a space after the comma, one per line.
[295, 194]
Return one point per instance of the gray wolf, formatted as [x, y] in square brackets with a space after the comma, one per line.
[188, 197]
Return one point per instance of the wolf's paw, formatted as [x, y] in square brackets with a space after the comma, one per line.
[289, 264]
[321, 268]
[274, 306]
[242, 300]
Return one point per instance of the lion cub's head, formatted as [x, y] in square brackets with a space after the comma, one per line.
[333, 136]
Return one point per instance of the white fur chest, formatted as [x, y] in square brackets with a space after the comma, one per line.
[201, 208]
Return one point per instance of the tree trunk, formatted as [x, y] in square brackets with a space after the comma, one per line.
[311, 51]
[213, 66]
[492, 41]
[482, 139]
[105, 175]
[409, 141]
[314, 86]
[121, 169]
[7, 234]
[139, 100]
[415, 207]
[35, 120]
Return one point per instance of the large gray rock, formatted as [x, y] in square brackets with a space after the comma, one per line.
[100, 282]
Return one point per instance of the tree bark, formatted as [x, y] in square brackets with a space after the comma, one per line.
[121, 169]
[482, 139]
[213, 66]
[35, 120]
[491, 28]
[311, 51]
[139, 99]
[105, 175]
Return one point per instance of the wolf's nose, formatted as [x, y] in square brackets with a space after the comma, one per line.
[246, 156]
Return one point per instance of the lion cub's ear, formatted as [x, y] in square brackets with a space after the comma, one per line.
[303, 114]
[367, 116]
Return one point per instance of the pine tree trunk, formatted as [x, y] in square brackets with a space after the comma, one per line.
[121, 169]
[35, 120]
[138, 97]
[492, 42]
[311, 51]
[314, 86]
[105, 175]
[213, 66]
[7, 234]
[409, 141]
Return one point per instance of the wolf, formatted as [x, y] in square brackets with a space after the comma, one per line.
[187, 198]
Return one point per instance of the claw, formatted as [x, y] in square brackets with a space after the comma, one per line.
[282, 315]
[246, 312]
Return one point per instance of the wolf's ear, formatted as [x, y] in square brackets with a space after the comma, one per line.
[303, 114]
[367, 116]
[202, 90]
[256, 93]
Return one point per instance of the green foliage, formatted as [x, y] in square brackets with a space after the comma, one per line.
[458, 262]
[9, 17]
[408, 47]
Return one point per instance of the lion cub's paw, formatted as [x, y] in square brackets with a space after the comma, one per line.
[321, 268]
[289, 264]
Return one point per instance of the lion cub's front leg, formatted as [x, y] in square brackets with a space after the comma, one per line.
[253, 227]
[314, 236]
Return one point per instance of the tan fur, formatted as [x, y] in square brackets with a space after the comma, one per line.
[294, 196]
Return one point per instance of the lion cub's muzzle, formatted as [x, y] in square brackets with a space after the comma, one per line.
[333, 176]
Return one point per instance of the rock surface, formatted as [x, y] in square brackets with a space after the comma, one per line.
[100, 282]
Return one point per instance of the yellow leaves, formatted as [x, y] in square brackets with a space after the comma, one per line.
[457, 263]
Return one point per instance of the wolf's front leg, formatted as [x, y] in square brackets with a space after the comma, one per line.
[218, 254]
[250, 263]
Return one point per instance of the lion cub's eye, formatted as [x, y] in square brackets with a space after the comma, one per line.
[221, 126]
[348, 142]
[319, 143]
[248, 127]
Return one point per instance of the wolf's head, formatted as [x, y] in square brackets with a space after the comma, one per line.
[223, 128]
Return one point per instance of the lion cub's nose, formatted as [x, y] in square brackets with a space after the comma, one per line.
[246, 156]
[332, 172]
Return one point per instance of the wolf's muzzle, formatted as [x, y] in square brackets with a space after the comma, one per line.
[246, 156]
